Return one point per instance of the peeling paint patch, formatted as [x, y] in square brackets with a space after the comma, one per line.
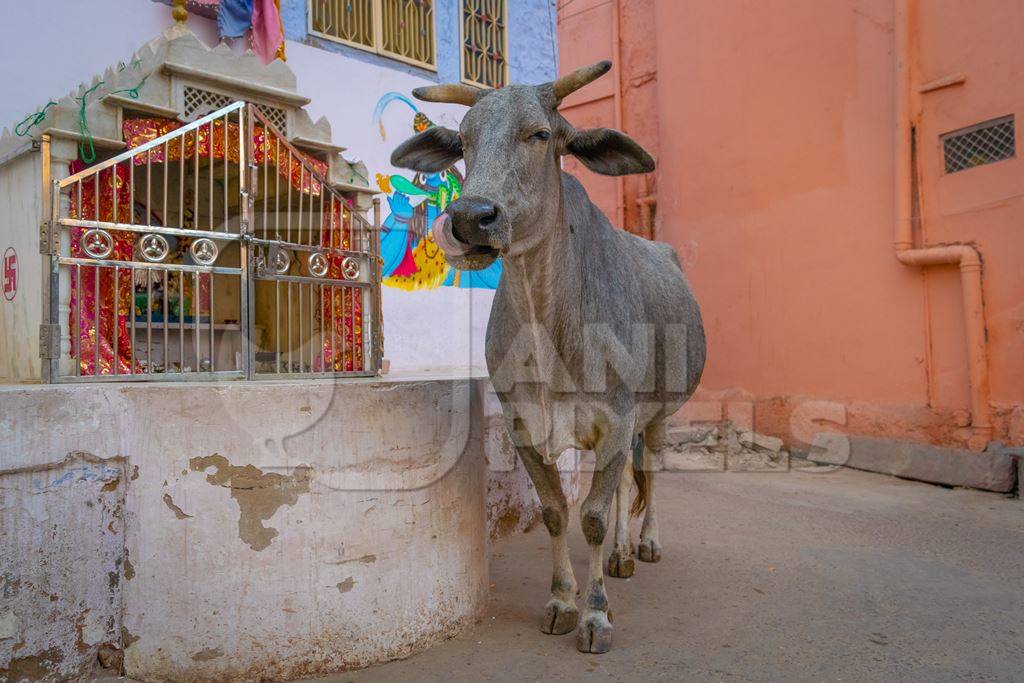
[91, 629]
[78, 466]
[127, 638]
[75, 475]
[258, 495]
[178, 512]
[207, 654]
[110, 657]
[33, 667]
[346, 585]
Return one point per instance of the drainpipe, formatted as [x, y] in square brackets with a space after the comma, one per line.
[965, 256]
[620, 183]
[645, 205]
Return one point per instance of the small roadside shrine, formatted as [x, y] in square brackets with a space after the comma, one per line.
[182, 217]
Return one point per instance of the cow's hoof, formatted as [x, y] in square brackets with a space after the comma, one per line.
[559, 617]
[594, 634]
[649, 551]
[619, 566]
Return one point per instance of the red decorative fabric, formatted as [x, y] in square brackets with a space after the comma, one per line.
[265, 143]
[102, 318]
[343, 305]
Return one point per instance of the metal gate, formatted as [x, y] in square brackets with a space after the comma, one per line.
[315, 281]
[215, 251]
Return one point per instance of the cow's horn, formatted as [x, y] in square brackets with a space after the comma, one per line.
[580, 77]
[451, 93]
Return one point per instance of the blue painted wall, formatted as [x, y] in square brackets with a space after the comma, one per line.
[533, 55]
[532, 41]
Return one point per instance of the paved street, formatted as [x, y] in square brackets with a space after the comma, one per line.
[800, 576]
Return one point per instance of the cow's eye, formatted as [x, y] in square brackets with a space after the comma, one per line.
[541, 135]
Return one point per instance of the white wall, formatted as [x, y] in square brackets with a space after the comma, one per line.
[441, 327]
[49, 47]
[239, 531]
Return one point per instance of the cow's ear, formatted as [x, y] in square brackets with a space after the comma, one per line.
[609, 152]
[433, 150]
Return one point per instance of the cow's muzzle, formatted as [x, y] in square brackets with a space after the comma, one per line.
[458, 253]
[474, 220]
[472, 232]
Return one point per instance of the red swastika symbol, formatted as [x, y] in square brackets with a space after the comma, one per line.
[10, 274]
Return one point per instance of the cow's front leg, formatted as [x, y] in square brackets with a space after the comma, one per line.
[595, 630]
[560, 615]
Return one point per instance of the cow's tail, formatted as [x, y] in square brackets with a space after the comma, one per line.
[640, 476]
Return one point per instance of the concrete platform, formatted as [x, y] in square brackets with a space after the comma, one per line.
[238, 530]
[784, 576]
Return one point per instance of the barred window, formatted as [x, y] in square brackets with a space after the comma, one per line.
[485, 43]
[983, 143]
[401, 29]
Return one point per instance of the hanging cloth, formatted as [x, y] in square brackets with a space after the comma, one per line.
[267, 32]
[234, 17]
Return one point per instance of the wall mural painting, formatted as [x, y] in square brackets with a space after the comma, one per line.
[412, 260]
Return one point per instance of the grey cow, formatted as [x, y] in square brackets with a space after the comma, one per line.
[594, 337]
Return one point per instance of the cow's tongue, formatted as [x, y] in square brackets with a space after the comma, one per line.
[443, 237]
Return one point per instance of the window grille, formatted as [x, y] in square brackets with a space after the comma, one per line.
[401, 29]
[407, 30]
[485, 43]
[197, 102]
[348, 21]
[984, 143]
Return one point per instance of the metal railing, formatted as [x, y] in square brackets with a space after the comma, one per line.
[169, 262]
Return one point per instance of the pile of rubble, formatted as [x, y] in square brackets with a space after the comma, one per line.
[722, 447]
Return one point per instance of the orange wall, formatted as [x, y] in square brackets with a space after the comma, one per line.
[775, 141]
[589, 31]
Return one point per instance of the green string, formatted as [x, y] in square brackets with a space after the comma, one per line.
[83, 123]
[32, 120]
[132, 92]
[83, 126]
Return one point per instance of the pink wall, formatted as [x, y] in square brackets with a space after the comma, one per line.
[775, 143]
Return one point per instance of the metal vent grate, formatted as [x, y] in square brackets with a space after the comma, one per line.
[198, 102]
[980, 144]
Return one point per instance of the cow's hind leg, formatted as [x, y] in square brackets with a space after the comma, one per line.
[649, 549]
[594, 633]
[560, 615]
[620, 562]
